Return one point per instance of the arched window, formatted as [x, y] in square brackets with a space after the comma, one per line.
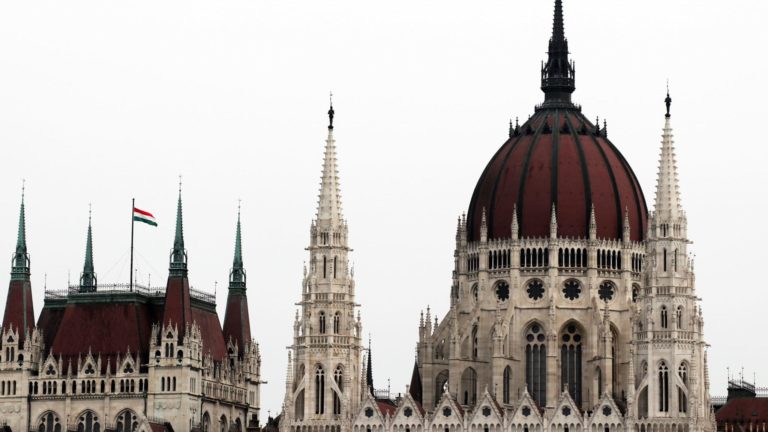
[299, 406]
[223, 425]
[570, 361]
[507, 384]
[665, 260]
[664, 318]
[88, 422]
[338, 378]
[474, 342]
[679, 317]
[322, 322]
[126, 422]
[682, 398]
[440, 381]
[614, 362]
[207, 423]
[319, 390]
[663, 387]
[536, 364]
[335, 263]
[325, 267]
[469, 386]
[475, 294]
[336, 323]
[49, 422]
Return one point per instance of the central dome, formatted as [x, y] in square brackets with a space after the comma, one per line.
[559, 158]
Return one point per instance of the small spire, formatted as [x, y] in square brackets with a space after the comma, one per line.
[668, 102]
[331, 112]
[553, 222]
[88, 278]
[369, 369]
[515, 228]
[511, 129]
[592, 223]
[20, 268]
[237, 275]
[605, 128]
[179, 254]
[483, 228]
[329, 213]
[668, 207]
[558, 73]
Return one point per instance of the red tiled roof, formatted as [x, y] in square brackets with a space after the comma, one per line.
[237, 323]
[49, 322]
[744, 410]
[19, 311]
[561, 164]
[210, 329]
[386, 407]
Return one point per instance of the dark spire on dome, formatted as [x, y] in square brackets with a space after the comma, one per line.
[558, 74]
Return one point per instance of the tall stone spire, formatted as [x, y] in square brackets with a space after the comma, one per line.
[237, 322]
[329, 201]
[369, 370]
[19, 310]
[20, 269]
[558, 74]
[88, 277]
[668, 207]
[179, 254]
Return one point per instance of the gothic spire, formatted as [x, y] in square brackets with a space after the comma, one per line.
[668, 206]
[20, 268]
[179, 254]
[558, 73]
[88, 278]
[237, 275]
[369, 370]
[329, 200]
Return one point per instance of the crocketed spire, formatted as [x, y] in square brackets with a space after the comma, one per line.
[20, 269]
[88, 278]
[237, 275]
[329, 200]
[668, 207]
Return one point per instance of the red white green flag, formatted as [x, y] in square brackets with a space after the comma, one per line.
[144, 216]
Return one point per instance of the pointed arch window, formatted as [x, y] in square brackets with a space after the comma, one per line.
[679, 317]
[663, 387]
[570, 362]
[335, 263]
[319, 390]
[614, 362]
[507, 385]
[664, 318]
[127, 422]
[682, 398]
[299, 406]
[336, 322]
[469, 386]
[338, 378]
[88, 422]
[440, 381]
[49, 422]
[322, 322]
[474, 342]
[536, 364]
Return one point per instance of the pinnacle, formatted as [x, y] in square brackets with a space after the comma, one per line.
[88, 278]
[668, 206]
[329, 199]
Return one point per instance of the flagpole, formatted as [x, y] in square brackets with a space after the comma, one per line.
[130, 283]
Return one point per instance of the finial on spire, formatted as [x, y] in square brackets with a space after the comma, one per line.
[179, 254]
[88, 278]
[20, 266]
[668, 101]
[331, 113]
[558, 73]
[237, 274]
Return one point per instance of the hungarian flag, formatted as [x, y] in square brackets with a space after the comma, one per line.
[143, 216]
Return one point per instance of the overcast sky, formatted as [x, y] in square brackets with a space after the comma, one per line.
[104, 101]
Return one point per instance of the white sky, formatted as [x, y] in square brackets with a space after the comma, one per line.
[104, 101]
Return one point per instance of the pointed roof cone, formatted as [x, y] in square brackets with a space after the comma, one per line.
[592, 223]
[237, 321]
[558, 74]
[179, 254]
[369, 371]
[515, 228]
[19, 309]
[20, 268]
[483, 227]
[668, 206]
[626, 230]
[329, 200]
[88, 277]
[553, 222]
[415, 388]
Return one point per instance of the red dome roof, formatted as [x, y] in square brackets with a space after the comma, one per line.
[558, 157]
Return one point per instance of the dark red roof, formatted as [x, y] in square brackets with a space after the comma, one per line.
[103, 328]
[237, 323]
[19, 312]
[178, 306]
[558, 157]
[387, 407]
[210, 329]
[744, 411]
[49, 322]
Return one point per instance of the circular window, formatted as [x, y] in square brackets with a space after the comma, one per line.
[486, 411]
[566, 411]
[526, 411]
[606, 291]
[369, 412]
[446, 412]
[572, 289]
[408, 412]
[502, 291]
[535, 290]
[607, 411]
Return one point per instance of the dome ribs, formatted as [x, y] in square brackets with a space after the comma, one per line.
[574, 194]
[492, 203]
[553, 195]
[618, 216]
[523, 204]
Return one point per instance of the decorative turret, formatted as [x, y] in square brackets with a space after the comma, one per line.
[178, 310]
[558, 73]
[88, 277]
[237, 322]
[19, 311]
